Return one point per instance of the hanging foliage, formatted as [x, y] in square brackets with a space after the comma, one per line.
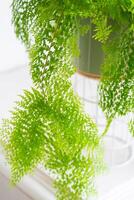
[48, 124]
[116, 87]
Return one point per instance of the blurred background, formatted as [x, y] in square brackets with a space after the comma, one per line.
[118, 180]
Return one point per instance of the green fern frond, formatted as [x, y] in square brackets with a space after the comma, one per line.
[38, 133]
[131, 126]
[117, 86]
[49, 125]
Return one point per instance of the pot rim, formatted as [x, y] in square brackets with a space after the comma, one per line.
[89, 74]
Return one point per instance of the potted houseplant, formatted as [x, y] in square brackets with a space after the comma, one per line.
[49, 125]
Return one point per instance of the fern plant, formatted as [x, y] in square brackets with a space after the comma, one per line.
[116, 88]
[48, 124]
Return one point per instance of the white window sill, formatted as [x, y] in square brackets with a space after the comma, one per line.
[37, 187]
[115, 185]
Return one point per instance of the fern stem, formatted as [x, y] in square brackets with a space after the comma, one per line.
[109, 121]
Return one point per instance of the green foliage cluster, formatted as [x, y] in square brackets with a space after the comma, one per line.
[117, 84]
[40, 132]
[48, 124]
[116, 87]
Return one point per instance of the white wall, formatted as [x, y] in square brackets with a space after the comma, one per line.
[12, 52]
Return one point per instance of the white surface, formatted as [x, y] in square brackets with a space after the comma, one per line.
[12, 52]
[29, 188]
[112, 185]
[117, 151]
[123, 192]
[10, 193]
[12, 84]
